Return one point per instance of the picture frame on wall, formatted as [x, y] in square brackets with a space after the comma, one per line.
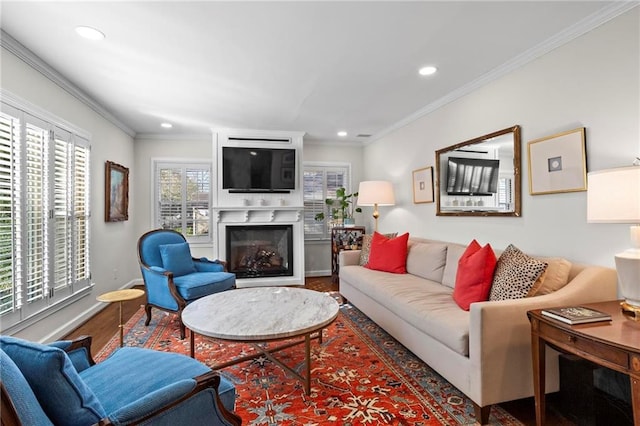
[423, 185]
[116, 201]
[558, 163]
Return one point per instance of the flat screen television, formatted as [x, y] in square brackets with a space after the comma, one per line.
[258, 169]
[472, 176]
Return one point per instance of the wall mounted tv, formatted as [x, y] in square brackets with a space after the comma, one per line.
[472, 176]
[258, 169]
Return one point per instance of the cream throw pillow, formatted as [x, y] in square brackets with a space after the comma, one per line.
[554, 278]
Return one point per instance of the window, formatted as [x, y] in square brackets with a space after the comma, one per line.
[44, 213]
[321, 182]
[182, 192]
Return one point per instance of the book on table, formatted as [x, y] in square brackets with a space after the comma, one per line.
[576, 314]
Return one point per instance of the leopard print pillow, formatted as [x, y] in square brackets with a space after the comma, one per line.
[515, 274]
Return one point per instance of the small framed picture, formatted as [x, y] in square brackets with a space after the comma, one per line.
[116, 194]
[558, 163]
[423, 185]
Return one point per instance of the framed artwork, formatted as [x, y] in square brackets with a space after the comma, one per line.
[558, 163]
[423, 185]
[116, 193]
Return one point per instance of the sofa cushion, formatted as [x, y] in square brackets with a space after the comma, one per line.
[366, 246]
[553, 278]
[62, 394]
[388, 254]
[515, 274]
[454, 253]
[177, 259]
[475, 274]
[426, 305]
[427, 260]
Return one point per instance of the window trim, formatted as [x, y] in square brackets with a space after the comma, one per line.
[325, 165]
[155, 162]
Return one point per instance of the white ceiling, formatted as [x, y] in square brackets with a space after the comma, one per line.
[316, 67]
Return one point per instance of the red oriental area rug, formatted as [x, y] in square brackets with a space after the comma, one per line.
[359, 375]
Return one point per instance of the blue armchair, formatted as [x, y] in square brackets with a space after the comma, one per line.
[61, 384]
[173, 278]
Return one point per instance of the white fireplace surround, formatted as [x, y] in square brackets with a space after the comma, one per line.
[232, 209]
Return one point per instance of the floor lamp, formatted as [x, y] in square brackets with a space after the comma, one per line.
[613, 196]
[376, 193]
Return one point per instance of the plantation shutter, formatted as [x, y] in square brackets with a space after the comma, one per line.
[81, 197]
[321, 182]
[183, 194]
[10, 284]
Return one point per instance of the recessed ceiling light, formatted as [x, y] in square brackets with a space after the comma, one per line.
[428, 70]
[90, 33]
[342, 133]
[166, 125]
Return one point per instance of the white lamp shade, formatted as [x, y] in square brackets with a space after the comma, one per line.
[374, 192]
[613, 195]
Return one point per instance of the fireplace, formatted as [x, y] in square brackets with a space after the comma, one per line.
[257, 251]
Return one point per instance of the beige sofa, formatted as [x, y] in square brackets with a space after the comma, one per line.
[484, 352]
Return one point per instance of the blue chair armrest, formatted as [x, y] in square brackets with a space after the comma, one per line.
[180, 403]
[78, 351]
[152, 402]
[205, 265]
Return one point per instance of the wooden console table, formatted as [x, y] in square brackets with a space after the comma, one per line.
[613, 344]
[347, 238]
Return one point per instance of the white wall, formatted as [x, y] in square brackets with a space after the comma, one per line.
[593, 81]
[113, 245]
[175, 148]
[317, 254]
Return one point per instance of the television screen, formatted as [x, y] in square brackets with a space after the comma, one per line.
[472, 176]
[258, 169]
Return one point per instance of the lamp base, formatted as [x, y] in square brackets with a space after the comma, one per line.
[628, 267]
[630, 311]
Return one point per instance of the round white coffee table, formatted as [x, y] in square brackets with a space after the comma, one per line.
[263, 314]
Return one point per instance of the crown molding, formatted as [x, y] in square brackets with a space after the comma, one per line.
[14, 46]
[596, 19]
[173, 137]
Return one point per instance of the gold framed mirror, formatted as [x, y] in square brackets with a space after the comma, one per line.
[481, 176]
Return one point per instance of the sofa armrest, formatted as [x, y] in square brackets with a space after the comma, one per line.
[500, 333]
[349, 257]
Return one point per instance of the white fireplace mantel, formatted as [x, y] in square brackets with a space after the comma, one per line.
[267, 214]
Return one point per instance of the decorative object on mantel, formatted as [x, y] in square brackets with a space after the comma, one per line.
[116, 193]
[614, 197]
[423, 185]
[376, 193]
[558, 163]
[343, 207]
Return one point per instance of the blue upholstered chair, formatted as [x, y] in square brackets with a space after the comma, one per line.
[173, 278]
[60, 384]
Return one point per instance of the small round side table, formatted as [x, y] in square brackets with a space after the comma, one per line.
[120, 296]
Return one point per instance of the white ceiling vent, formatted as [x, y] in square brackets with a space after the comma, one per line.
[258, 140]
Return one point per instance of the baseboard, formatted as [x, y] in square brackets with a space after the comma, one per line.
[326, 273]
[68, 327]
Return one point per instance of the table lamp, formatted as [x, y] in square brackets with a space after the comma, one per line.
[376, 193]
[613, 196]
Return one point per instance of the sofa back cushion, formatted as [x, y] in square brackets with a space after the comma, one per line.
[27, 407]
[62, 394]
[454, 253]
[427, 260]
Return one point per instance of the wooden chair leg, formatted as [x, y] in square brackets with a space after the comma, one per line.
[482, 413]
[147, 309]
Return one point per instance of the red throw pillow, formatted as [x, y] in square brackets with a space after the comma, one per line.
[474, 275]
[388, 254]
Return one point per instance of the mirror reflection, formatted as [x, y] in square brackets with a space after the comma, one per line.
[481, 176]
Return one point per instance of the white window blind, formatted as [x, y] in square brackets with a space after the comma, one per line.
[44, 214]
[182, 198]
[320, 183]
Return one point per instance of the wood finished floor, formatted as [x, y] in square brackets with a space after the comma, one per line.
[104, 325]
